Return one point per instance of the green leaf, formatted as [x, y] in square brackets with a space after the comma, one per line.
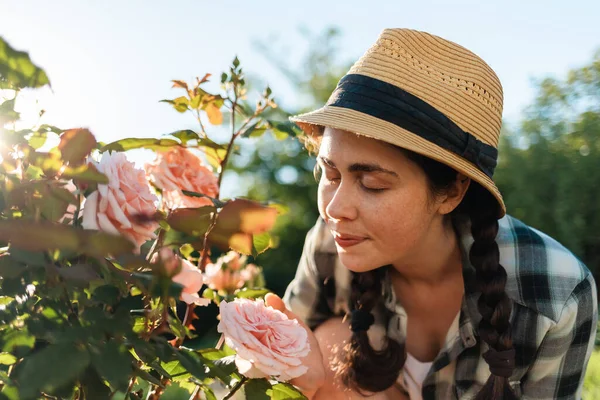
[282, 130]
[261, 243]
[15, 339]
[38, 236]
[40, 371]
[79, 273]
[7, 359]
[191, 361]
[100, 244]
[193, 221]
[10, 393]
[251, 293]
[10, 268]
[107, 294]
[174, 370]
[254, 130]
[180, 104]
[220, 365]
[7, 111]
[113, 362]
[85, 173]
[207, 143]
[185, 135]
[136, 143]
[76, 144]
[216, 203]
[256, 389]
[17, 71]
[285, 391]
[93, 386]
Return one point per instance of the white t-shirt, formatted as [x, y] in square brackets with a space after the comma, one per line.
[414, 374]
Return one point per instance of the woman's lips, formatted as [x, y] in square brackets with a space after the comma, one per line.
[347, 240]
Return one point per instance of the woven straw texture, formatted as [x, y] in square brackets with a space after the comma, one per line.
[442, 73]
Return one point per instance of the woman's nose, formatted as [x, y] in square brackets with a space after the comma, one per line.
[342, 205]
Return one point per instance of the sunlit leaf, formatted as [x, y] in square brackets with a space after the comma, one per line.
[7, 359]
[285, 391]
[220, 365]
[185, 135]
[40, 236]
[214, 114]
[17, 70]
[180, 104]
[101, 244]
[215, 157]
[7, 111]
[251, 293]
[282, 130]
[180, 84]
[254, 130]
[256, 389]
[193, 221]
[216, 202]
[14, 339]
[246, 216]
[87, 173]
[136, 143]
[261, 242]
[76, 144]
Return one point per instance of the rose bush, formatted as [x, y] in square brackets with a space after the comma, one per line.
[103, 264]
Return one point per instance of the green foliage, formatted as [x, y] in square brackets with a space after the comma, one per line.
[17, 71]
[86, 313]
[547, 170]
[591, 385]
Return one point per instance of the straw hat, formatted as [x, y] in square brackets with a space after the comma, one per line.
[425, 94]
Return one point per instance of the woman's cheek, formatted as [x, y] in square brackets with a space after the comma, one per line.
[324, 196]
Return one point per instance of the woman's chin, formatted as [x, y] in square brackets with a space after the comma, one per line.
[356, 263]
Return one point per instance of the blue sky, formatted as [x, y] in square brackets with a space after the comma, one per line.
[111, 61]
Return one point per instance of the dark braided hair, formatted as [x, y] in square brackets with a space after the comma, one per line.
[366, 369]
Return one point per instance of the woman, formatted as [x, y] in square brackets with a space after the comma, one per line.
[444, 296]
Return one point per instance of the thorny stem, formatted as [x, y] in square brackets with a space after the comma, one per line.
[236, 388]
[78, 209]
[157, 244]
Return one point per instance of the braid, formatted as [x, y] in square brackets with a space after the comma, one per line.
[364, 368]
[493, 305]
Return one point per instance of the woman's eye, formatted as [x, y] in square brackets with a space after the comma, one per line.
[372, 190]
[331, 177]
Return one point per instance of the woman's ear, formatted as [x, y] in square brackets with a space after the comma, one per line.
[456, 192]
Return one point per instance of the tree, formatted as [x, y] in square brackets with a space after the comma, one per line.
[548, 170]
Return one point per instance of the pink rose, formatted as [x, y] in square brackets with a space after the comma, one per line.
[234, 260]
[188, 276]
[267, 343]
[219, 277]
[114, 207]
[250, 273]
[71, 208]
[179, 169]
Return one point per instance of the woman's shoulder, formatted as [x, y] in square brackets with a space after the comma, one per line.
[542, 274]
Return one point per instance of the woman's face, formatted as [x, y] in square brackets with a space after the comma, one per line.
[376, 202]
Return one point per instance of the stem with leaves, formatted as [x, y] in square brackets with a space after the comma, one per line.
[237, 387]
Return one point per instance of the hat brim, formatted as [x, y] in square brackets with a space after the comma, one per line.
[312, 124]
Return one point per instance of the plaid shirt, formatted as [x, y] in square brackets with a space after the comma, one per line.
[554, 314]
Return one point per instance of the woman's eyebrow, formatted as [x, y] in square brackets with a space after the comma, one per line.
[359, 167]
